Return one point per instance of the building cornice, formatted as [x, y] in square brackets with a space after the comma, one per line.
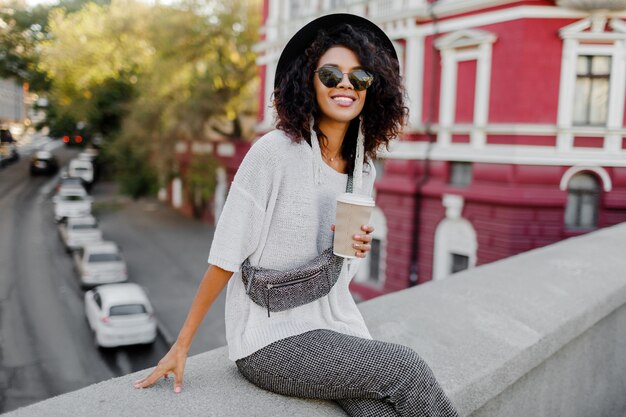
[522, 129]
[503, 154]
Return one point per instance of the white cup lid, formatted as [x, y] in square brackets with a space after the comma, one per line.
[357, 199]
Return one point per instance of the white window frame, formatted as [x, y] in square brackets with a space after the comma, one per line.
[269, 60]
[588, 37]
[455, 47]
[414, 77]
[601, 173]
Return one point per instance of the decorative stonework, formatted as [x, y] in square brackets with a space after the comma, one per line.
[589, 5]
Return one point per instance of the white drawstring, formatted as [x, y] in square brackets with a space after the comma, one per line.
[359, 157]
[317, 156]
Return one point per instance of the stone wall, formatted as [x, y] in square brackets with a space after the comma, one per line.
[541, 334]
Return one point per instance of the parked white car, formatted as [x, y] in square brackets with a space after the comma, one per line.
[77, 232]
[66, 181]
[71, 201]
[120, 314]
[81, 169]
[100, 263]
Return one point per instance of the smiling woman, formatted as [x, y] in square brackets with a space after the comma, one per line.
[339, 98]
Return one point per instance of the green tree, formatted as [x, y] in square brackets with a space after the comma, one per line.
[95, 49]
[110, 103]
[203, 70]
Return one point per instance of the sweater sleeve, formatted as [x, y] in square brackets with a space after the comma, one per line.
[240, 225]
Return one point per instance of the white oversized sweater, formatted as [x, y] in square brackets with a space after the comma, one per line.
[279, 217]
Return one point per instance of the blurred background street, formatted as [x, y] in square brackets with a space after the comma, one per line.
[46, 345]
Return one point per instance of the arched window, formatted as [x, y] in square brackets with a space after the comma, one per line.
[581, 211]
[456, 242]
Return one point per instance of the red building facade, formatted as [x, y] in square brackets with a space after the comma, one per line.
[516, 137]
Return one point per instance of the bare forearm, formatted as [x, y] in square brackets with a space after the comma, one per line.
[213, 282]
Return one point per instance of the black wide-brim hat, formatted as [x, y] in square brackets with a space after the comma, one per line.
[305, 36]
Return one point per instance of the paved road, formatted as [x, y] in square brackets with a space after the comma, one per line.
[46, 347]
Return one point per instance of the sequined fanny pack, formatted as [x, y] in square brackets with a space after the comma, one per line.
[284, 290]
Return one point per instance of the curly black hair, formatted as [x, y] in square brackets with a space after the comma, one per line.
[384, 112]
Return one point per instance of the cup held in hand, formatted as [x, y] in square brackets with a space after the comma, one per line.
[353, 211]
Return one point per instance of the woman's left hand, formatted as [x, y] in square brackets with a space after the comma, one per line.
[362, 242]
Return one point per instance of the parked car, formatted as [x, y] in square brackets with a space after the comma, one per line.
[8, 148]
[100, 263]
[120, 314]
[71, 201]
[43, 162]
[79, 231]
[81, 169]
[66, 181]
[91, 155]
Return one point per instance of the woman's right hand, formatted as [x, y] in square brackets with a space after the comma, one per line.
[213, 282]
[172, 362]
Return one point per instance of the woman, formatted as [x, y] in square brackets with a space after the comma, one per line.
[339, 98]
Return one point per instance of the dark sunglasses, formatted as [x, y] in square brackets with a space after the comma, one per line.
[331, 77]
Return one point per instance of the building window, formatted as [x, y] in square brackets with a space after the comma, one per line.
[301, 8]
[458, 263]
[372, 270]
[460, 174]
[581, 211]
[374, 266]
[592, 90]
[336, 4]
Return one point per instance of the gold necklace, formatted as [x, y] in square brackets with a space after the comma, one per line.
[331, 159]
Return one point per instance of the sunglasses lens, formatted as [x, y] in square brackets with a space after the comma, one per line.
[360, 79]
[330, 77]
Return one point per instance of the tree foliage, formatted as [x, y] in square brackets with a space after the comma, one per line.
[150, 76]
[22, 30]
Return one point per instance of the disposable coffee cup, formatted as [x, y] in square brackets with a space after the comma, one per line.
[353, 211]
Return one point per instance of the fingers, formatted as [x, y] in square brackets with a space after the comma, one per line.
[362, 238]
[367, 228]
[363, 241]
[150, 379]
[178, 382]
[332, 227]
[362, 249]
[156, 374]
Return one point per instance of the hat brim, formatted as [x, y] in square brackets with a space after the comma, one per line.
[305, 36]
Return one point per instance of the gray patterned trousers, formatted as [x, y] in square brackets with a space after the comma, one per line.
[366, 377]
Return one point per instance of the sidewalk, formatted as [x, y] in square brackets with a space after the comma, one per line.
[167, 254]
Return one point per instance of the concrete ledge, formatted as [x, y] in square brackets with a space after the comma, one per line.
[492, 335]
